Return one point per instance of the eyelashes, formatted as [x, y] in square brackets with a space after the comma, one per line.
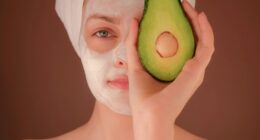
[103, 34]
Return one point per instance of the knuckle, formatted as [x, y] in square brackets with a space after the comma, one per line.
[194, 69]
[190, 67]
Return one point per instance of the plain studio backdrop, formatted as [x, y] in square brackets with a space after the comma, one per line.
[44, 92]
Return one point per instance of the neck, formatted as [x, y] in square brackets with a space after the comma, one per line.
[110, 125]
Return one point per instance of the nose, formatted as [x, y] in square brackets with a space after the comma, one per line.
[120, 57]
[120, 63]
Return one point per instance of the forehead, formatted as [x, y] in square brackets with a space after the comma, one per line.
[114, 7]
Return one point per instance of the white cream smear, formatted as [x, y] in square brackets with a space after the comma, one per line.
[100, 67]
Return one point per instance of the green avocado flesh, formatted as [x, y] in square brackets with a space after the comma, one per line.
[162, 16]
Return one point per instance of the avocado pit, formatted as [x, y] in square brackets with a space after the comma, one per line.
[166, 45]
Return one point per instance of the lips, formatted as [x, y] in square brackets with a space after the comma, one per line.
[120, 82]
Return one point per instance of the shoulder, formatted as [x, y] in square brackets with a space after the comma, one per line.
[182, 134]
[76, 134]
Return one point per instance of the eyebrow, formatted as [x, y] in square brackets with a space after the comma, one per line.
[110, 19]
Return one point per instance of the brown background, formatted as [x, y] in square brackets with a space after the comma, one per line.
[44, 93]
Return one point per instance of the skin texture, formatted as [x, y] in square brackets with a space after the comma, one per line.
[153, 104]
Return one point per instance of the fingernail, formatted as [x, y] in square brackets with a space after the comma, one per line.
[188, 3]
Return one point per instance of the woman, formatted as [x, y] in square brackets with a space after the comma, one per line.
[130, 104]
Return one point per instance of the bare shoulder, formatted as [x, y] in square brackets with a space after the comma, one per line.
[61, 137]
[76, 134]
[182, 134]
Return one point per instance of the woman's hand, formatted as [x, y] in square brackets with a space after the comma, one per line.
[150, 99]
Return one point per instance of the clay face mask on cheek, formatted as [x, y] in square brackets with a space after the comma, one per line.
[100, 68]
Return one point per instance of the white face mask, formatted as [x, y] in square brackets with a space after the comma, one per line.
[105, 72]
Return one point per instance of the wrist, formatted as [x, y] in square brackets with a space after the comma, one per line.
[149, 127]
[153, 116]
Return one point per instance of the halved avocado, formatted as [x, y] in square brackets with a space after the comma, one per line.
[165, 18]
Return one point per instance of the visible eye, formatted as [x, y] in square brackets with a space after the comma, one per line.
[103, 34]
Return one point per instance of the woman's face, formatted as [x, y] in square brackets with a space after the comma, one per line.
[104, 31]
